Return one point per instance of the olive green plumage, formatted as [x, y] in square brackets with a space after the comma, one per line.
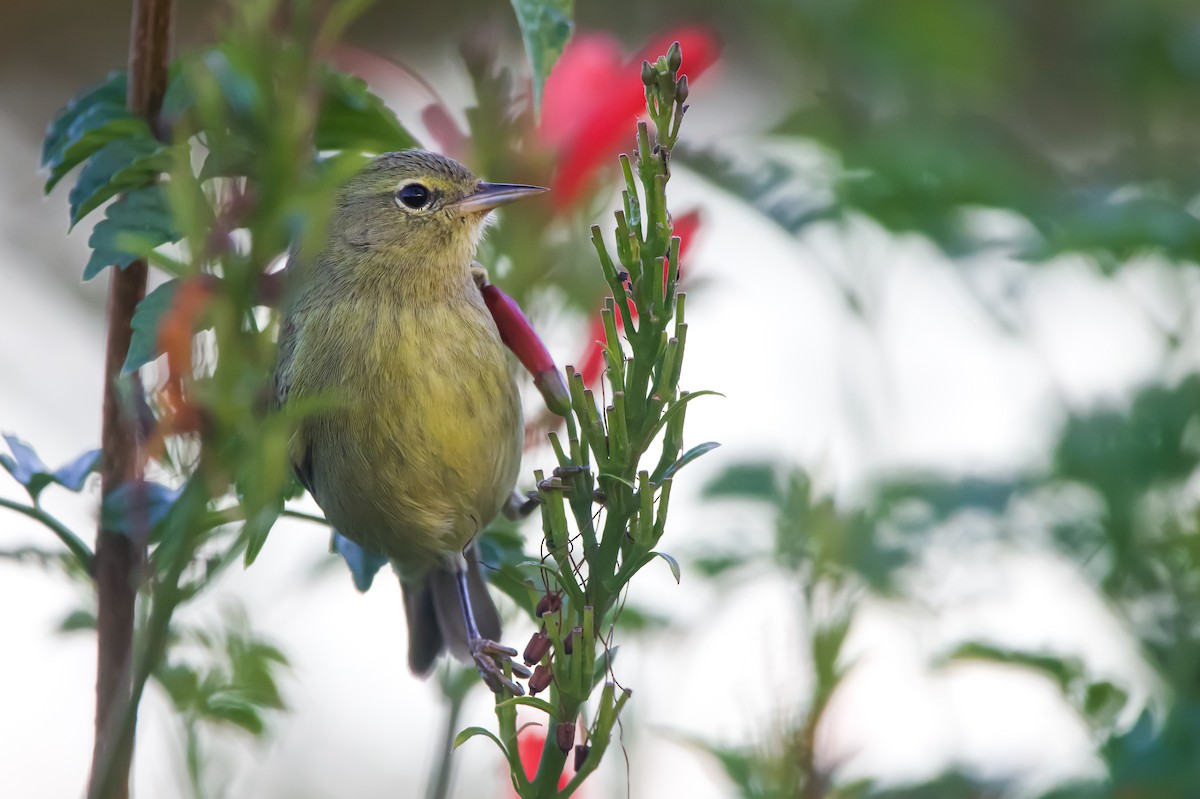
[422, 445]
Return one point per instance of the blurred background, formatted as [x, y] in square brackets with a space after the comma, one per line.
[941, 261]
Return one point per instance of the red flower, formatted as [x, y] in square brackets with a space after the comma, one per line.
[591, 364]
[530, 743]
[593, 94]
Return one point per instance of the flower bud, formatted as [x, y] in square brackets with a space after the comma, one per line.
[564, 735]
[681, 89]
[536, 649]
[647, 73]
[675, 57]
[554, 391]
[550, 603]
[540, 681]
[519, 336]
[581, 755]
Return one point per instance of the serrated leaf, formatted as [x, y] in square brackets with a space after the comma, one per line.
[133, 508]
[28, 469]
[110, 93]
[686, 458]
[132, 226]
[89, 132]
[674, 564]
[143, 344]
[471, 732]
[363, 563]
[353, 118]
[121, 165]
[546, 25]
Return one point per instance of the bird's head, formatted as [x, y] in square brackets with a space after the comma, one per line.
[418, 209]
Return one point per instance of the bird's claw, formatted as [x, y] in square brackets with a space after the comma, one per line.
[489, 658]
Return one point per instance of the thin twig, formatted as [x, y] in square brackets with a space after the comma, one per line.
[72, 542]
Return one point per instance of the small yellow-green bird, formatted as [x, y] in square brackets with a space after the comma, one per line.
[423, 444]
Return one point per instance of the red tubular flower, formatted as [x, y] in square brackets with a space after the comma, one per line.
[519, 336]
[591, 363]
[593, 94]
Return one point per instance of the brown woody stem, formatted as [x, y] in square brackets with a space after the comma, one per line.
[118, 556]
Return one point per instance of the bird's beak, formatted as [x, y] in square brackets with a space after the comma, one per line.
[489, 196]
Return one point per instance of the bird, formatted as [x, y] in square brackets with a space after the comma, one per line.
[413, 442]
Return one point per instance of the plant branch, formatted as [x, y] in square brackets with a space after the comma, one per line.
[73, 542]
[117, 556]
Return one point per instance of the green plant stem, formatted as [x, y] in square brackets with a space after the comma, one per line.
[117, 555]
[439, 786]
[72, 542]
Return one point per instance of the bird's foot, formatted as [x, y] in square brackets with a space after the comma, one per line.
[490, 658]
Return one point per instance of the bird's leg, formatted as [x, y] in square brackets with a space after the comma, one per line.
[488, 655]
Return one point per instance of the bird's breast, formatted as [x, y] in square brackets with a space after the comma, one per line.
[425, 445]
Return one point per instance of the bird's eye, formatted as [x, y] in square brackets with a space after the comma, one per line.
[413, 196]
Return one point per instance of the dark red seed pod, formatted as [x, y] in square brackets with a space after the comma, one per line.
[581, 755]
[564, 735]
[540, 681]
[569, 643]
[536, 649]
[550, 603]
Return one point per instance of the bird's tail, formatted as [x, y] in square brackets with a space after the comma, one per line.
[435, 618]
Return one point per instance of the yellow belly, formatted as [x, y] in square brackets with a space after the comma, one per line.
[425, 446]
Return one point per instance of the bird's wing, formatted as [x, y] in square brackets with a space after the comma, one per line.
[301, 451]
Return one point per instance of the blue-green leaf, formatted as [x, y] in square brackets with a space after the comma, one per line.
[143, 345]
[28, 469]
[352, 118]
[136, 507]
[364, 564]
[110, 93]
[119, 166]
[132, 227]
[686, 458]
[90, 131]
[674, 564]
[546, 25]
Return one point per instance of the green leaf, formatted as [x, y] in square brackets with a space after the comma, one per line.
[231, 708]
[746, 481]
[28, 469]
[90, 131]
[119, 166]
[546, 25]
[77, 620]
[143, 345]
[674, 564]
[353, 118]
[677, 407]
[110, 93]
[531, 701]
[471, 732]
[686, 458]
[603, 663]
[132, 226]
